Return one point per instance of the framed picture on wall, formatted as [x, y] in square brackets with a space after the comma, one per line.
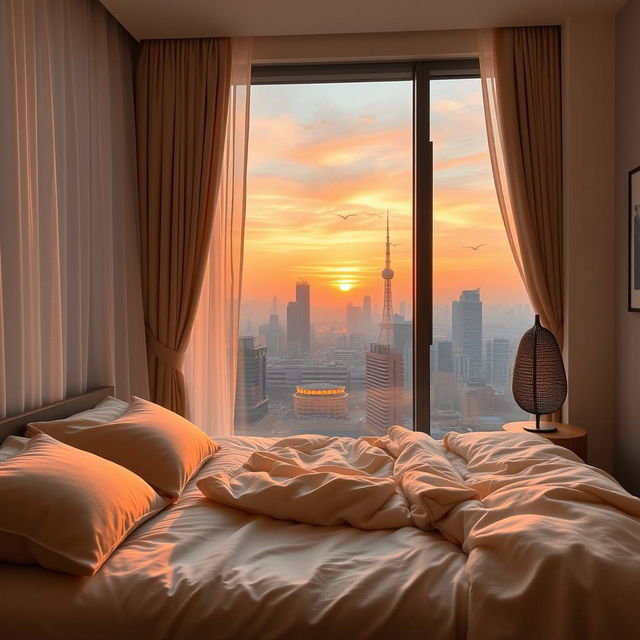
[634, 239]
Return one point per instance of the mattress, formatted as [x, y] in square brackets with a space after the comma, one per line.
[203, 570]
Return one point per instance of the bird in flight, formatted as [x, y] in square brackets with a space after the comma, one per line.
[349, 215]
[394, 244]
[476, 247]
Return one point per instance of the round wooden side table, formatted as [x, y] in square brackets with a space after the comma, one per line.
[568, 435]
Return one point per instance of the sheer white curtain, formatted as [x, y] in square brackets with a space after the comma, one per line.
[520, 69]
[70, 300]
[211, 358]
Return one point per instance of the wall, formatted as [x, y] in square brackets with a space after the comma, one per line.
[588, 148]
[366, 46]
[627, 80]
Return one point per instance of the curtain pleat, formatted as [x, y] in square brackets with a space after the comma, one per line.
[71, 305]
[522, 91]
[211, 358]
[182, 100]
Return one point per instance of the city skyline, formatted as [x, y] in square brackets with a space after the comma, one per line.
[317, 153]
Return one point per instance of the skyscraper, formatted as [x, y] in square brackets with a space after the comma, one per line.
[273, 336]
[403, 344]
[354, 319]
[384, 368]
[303, 298]
[499, 357]
[384, 381]
[366, 315]
[294, 329]
[467, 335]
[251, 388]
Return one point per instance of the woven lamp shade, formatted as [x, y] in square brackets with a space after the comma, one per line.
[539, 378]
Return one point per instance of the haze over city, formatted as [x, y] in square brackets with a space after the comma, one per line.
[347, 149]
[327, 340]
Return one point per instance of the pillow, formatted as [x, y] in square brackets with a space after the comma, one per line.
[105, 411]
[66, 509]
[12, 446]
[160, 446]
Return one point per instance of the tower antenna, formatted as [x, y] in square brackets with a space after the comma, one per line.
[386, 326]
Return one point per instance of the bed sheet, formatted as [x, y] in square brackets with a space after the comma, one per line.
[203, 570]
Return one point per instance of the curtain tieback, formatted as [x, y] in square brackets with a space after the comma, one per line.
[170, 357]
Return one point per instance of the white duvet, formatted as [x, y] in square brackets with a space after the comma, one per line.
[400, 480]
[528, 543]
[553, 545]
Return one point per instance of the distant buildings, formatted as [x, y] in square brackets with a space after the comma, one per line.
[251, 388]
[384, 381]
[443, 385]
[354, 319]
[499, 361]
[273, 336]
[467, 336]
[367, 321]
[299, 321]
[403, 344]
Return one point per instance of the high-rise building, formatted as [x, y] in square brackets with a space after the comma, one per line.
[442, 356]
[366, 316]
[354, 319]
[251, 388]
[499, 357]
[273, 336]
[294, 329]
[403, 344]
[303, 298]
[467, 336]
[443, 387]
[384, 382]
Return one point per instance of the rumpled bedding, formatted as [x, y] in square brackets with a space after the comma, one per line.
[528, 543]
[553, 545]
[400, 480]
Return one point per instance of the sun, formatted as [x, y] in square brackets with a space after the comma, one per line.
[345, 286]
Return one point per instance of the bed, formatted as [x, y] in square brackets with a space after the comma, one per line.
[199, 569]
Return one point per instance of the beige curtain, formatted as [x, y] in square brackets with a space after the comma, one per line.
[521, 83]
[182, 100]
[210, 365]
[70, 302]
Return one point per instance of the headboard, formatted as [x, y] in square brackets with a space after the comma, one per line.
[15, 425]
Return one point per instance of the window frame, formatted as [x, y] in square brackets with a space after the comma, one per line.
[420, 72]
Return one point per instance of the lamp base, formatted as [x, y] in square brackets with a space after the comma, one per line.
[545, 427]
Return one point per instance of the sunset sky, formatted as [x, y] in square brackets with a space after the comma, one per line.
[320, 150]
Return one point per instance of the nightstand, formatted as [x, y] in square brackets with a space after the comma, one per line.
[569, 436]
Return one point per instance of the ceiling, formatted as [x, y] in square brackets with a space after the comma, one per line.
[146, 19]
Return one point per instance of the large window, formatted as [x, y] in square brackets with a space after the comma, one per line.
[480, 307]
[336, 315]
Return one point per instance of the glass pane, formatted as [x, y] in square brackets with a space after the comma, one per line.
[320, 349]
[480, 307]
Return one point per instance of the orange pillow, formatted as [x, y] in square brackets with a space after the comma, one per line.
[158, 445]
[66, 509]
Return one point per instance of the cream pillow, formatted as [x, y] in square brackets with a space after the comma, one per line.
[160, 446]
[105, 411]
[66, 509]
[12, 446]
